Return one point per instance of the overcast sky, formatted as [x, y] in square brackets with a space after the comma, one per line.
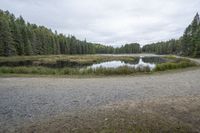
[111, 22]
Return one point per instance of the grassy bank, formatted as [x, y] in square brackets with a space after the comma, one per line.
[71, 71]
[59, 61]
[173, 63]
[71, 58]
[176, 64]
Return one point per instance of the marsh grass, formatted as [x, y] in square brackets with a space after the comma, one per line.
[72, 71]
[71, 58]
[170, 57]
[177, 64]
[60, 61]
[174, 63]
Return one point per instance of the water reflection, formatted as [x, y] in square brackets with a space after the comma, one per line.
[141, 62]
[138, 62]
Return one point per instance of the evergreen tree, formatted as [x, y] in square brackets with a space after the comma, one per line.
[20, 38]
[6, 41]
[190, 37]
[28, 48]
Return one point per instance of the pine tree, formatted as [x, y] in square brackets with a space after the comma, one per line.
[190, 37]
[6, 41]
[17, 38]
[28, 48]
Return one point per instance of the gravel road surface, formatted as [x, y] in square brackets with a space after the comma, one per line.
[25, 100]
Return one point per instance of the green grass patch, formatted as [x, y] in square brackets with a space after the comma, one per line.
[170, 57]
[177, 64]
[72, 71]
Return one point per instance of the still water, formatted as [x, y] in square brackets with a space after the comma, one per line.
[140, 62]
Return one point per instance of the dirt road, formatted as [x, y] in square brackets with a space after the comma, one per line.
[25, 100]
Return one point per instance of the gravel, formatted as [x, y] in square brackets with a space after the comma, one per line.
[25, 100]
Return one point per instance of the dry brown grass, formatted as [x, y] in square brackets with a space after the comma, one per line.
[166, 115]
[73, 58]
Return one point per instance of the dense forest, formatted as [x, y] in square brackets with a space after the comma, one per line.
[17, 37]
[187, 45]
[20, 38]
[128, 49]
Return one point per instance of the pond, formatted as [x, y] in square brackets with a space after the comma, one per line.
[140, 62]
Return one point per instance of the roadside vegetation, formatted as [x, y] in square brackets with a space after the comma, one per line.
[153, 116]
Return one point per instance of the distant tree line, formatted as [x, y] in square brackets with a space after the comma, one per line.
[128, 49]
[187, 45]
[18, 37]
[169, 47]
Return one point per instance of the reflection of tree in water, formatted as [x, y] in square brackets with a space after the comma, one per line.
[67, 63]
[57, 64]
[152, 60]
[136, 61]
[155, 60]
[16, 63]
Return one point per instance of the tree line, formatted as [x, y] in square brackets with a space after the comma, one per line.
[128, 49]
[187, 45]
[18, 37]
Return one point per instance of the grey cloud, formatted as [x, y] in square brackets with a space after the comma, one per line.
[113, 22]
